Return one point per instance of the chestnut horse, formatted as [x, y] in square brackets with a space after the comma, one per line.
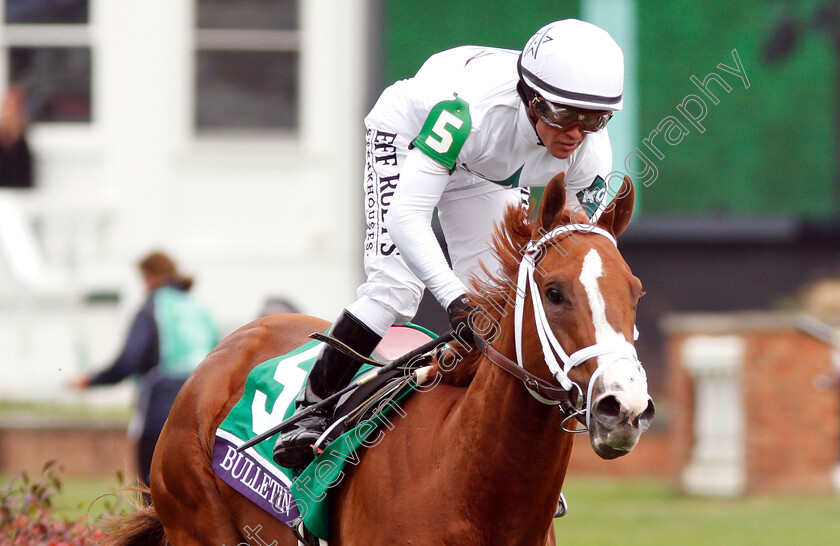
[478, 459]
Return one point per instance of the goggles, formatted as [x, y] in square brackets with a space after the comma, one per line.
[561, 116]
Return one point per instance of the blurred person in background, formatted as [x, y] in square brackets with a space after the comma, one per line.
[16, 170]
[170, 335]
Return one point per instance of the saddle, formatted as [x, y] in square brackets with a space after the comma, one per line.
[369, 398]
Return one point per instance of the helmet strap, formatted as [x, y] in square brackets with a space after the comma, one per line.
[525, 92]
[520, 88]
[527, 95]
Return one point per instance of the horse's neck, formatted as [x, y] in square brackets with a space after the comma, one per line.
[508, 438]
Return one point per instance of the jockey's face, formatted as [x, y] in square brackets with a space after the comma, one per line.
[563, 128]
[560, 142]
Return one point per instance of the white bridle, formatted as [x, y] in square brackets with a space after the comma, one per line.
[550, 345]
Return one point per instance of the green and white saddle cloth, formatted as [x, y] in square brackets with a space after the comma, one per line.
[270, 393]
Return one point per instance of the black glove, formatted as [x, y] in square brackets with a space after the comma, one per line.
[459, 312]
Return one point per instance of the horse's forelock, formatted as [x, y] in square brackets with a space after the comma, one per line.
[491, 294]
[509, 241]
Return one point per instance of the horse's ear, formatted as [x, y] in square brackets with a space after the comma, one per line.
[552, 202]
[617, 216]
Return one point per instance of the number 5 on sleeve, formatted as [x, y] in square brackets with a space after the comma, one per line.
[445, 131]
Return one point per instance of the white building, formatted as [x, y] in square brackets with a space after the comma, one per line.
[227, 133]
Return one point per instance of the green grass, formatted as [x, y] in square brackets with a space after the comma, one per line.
[649, 513]
[90, 496]
[608, 511]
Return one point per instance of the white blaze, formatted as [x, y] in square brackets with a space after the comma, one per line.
[623, 371]
[590, 272]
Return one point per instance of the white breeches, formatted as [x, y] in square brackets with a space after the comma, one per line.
[392, 293]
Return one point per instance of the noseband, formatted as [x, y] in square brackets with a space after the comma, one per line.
[545, 392]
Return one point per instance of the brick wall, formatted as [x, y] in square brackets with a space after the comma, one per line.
[791, 428]
[651, 458]
[81, 448]
[681, 408]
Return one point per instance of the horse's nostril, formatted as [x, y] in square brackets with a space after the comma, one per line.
[649, 412]
[646, 416]
[609, 406]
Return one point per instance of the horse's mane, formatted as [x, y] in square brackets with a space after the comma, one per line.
[491, 294]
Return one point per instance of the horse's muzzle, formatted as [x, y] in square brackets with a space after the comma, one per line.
[617, 422]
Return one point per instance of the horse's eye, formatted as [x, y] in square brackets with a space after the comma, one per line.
[554, 295]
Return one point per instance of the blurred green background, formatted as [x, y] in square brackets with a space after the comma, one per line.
[768, 150]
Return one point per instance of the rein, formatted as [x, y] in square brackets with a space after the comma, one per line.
[571, 403]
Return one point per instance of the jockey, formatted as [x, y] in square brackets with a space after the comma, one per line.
[468, 134]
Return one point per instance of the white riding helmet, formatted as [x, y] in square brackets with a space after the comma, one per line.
[573, 63]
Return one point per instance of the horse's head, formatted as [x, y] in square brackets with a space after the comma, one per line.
[583, 304]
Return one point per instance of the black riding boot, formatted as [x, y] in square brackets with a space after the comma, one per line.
[331, 372]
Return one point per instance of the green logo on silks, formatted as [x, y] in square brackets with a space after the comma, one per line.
[593, 197]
